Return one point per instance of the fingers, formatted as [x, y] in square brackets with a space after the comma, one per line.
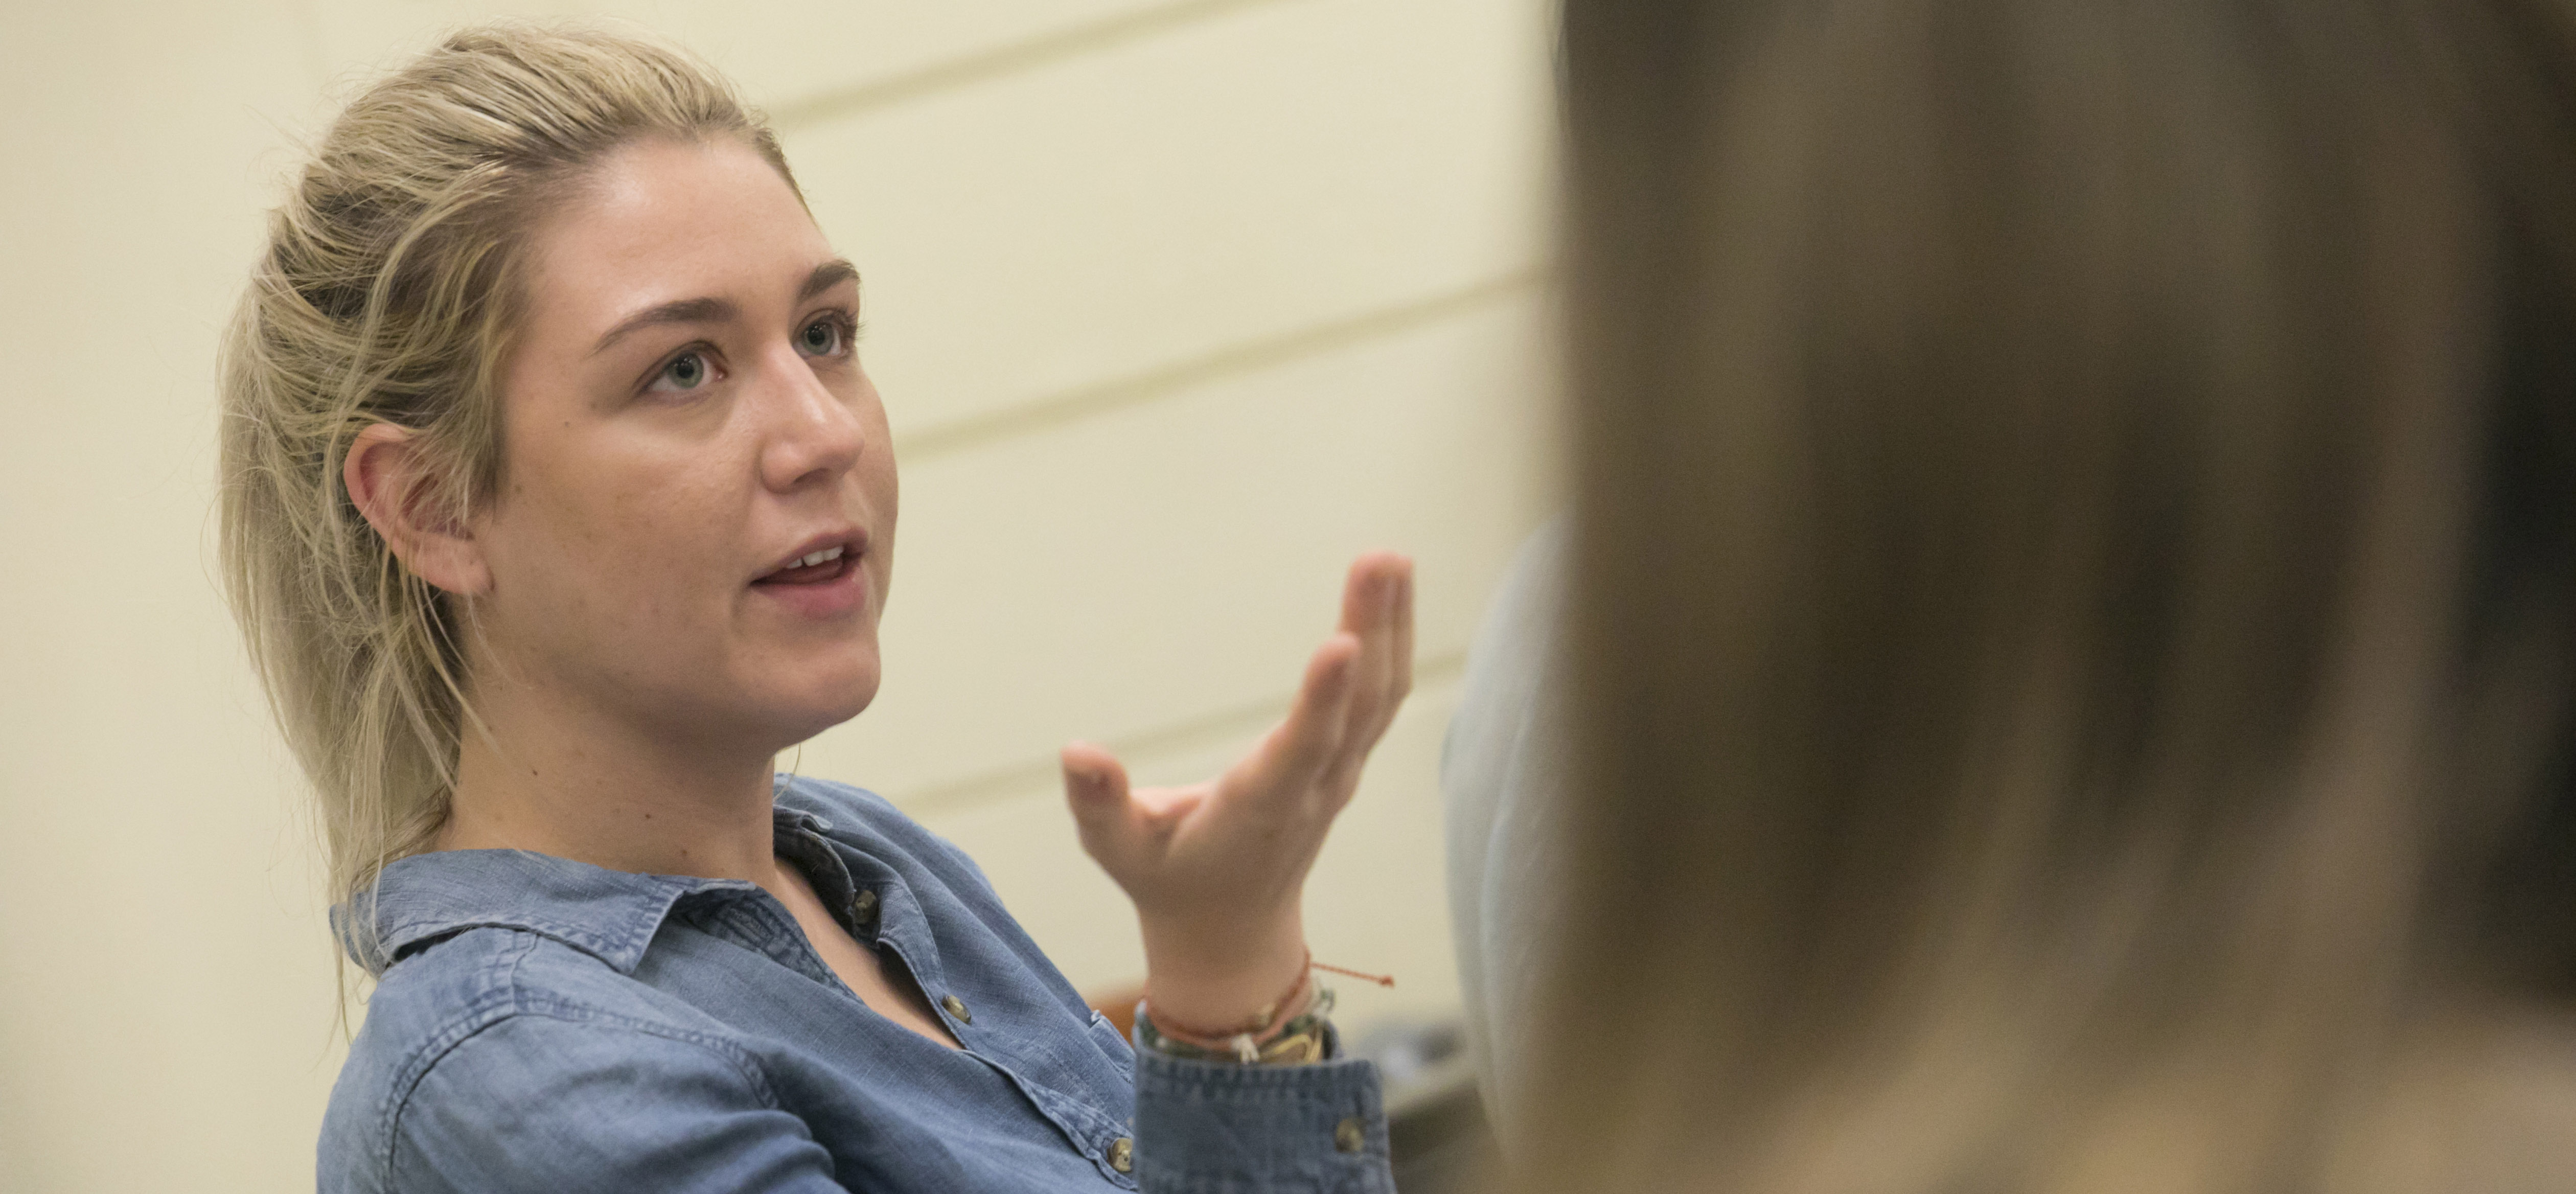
[1403, 636]
[1364, 593]
[1349, 694]
[1377, 605]
[1095, 785]
[1303, 747]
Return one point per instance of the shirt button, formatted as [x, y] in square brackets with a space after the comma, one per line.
[1348, 1136]
[863, 905]
[957, 1007]
[1122, 1154]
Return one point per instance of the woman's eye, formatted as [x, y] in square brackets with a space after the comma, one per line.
[687, 371]
[821, 338]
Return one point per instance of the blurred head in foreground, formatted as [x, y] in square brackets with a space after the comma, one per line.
[2077, 574]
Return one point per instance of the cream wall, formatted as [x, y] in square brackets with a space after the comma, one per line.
[1176, 307]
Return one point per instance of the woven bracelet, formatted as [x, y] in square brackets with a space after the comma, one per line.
[1300, 1041]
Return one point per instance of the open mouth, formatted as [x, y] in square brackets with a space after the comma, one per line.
[820, 567]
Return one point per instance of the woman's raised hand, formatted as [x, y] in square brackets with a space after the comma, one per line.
[1217, 868]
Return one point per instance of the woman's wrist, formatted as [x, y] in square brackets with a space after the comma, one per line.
[1301, 1034]
[1224, 976]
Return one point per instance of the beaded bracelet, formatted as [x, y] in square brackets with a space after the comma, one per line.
[1293, 1029]
[1299, 1041]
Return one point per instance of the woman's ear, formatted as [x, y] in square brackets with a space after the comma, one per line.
[390, 486]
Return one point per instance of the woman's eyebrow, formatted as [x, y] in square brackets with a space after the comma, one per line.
[696, 310]
[715, 310]
[826, 276]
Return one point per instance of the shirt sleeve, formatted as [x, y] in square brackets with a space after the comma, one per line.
[1205, 1128]
[568, 1106]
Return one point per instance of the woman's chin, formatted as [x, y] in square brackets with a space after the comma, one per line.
[826, 701]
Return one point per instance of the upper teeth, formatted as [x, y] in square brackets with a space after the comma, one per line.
[828, 553]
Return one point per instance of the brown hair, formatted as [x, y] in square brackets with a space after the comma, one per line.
[386, 294]
[2077, 553]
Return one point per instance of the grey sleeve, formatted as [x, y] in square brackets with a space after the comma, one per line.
[1502, 769]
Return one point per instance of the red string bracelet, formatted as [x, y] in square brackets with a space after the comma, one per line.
[1383, 980]
[1262, 1024]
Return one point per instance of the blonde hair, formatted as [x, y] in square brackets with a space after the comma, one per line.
[2074, 616]
[393, 275]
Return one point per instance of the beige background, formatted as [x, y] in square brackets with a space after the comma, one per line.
[1176, 306]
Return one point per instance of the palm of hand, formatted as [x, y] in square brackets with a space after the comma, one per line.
[1216, 868]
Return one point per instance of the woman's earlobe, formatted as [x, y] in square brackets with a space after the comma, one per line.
[388, 482]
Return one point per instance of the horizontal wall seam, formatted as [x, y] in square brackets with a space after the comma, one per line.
[1250, 356]
[1214, 728]
[1000, 62]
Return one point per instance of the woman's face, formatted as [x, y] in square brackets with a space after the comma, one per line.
[684, 421]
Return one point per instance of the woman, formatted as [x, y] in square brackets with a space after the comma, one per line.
[2072, 599]
[556, 504]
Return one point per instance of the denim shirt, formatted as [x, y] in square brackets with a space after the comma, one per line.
[543, 1024]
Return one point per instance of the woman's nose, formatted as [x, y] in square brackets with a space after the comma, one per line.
[811, 433]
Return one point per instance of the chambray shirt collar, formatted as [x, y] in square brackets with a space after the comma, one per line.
[611, 915]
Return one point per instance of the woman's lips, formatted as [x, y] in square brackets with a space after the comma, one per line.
[824, 573]
[826, 590]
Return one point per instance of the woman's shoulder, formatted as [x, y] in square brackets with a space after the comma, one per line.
[504, 975]
[489, 1026]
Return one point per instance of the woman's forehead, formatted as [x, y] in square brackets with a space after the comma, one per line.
[664, 221]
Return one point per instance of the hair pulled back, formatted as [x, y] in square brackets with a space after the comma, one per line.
[391, 280]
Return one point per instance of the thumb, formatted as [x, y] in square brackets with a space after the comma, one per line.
[1095, 785]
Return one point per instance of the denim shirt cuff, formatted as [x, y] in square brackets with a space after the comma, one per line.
[1206, 1127]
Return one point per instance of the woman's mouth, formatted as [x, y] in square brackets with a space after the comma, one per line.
[824, 582]
[821, 567]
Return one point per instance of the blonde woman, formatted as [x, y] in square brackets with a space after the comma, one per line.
[2073, 617]
[556, 504]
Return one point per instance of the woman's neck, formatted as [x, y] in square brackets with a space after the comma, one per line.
[561, 777]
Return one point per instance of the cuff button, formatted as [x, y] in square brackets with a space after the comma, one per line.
[1348, 1136]
[1122, 1154]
